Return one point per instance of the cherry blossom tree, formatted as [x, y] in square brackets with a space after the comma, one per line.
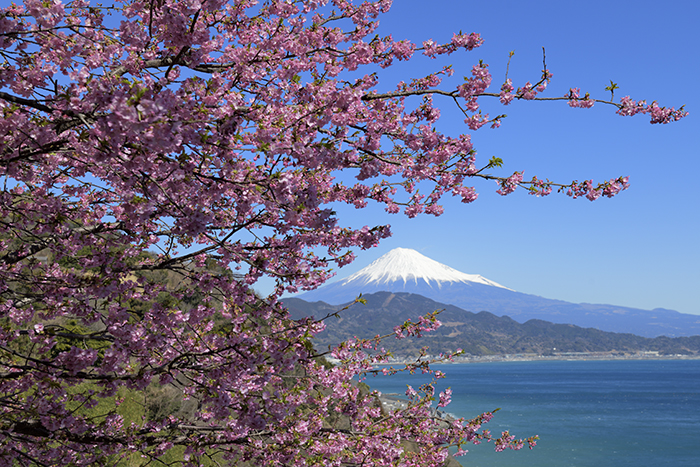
[158, 158]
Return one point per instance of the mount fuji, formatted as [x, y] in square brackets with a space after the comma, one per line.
[406, 270]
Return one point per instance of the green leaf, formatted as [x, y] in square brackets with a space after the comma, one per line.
[495, 162]
[612, 86]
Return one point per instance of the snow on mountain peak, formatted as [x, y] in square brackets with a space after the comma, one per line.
[405, 264]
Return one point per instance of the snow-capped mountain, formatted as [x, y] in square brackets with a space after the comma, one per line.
[403, 265]
[406, 270]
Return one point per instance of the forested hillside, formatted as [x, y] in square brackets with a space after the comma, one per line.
[480, 333]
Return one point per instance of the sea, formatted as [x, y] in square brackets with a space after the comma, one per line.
[617, 413]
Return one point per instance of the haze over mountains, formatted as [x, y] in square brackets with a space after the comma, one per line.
[406, 270]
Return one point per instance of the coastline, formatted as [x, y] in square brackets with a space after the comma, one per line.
[555, 356]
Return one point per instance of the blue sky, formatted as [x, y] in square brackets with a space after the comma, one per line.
[639, 249]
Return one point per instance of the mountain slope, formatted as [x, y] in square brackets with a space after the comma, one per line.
[404, 270]
[477, 333]
[403, 265]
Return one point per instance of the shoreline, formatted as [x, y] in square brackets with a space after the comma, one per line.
[562, 356]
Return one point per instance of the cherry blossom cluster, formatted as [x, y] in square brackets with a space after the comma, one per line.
[510, 184]
[158, 158]
[628, 107]
[587, 189]
[425, 324]
[575, 99]
[540, 187]
[528, 91]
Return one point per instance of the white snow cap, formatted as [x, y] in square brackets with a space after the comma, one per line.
[407, 264]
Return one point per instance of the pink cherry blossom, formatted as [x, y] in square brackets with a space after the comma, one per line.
[160, 158]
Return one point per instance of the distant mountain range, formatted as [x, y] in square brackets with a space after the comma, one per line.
[405, 270]
[476, 333]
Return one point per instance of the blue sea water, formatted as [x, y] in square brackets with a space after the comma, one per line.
[621, 413]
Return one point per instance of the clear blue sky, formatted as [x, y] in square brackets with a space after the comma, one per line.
[639, 249]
